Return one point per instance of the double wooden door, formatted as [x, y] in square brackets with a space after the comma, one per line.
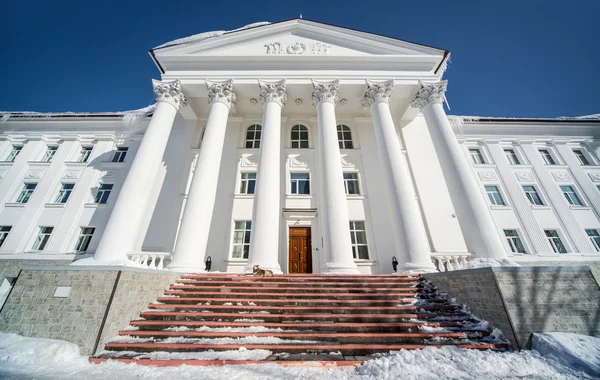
[300, 252]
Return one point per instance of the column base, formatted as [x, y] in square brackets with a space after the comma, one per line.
[342, 268]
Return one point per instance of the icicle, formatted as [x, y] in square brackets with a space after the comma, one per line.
[5, 117]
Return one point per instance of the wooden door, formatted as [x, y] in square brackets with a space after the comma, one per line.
[300, 252]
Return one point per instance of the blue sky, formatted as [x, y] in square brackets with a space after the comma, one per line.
[536, 58]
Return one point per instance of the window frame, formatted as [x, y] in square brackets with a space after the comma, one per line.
[595, 239]
[297, 183]
[511, 156]
[4, 232]
[582, 157]
[62, 191]
[120, 154]
[42, 238]
[84, 157]
[530, 199]
[356, 251]
[344, 143]
[347, 180]
[245, 245]
[84, 239]
[245, 183]
[299, 141]
[478, 154]
[14, 153]
[25, 194]
[254, 141]
[49, 153]
[573, 200]
[493, 200]
[553, 160]
[514, 241]
[98, 197]
[552, 241]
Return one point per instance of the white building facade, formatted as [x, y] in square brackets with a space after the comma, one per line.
[302, 148]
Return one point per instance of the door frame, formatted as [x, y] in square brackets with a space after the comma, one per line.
[300, 218]
[310, 242]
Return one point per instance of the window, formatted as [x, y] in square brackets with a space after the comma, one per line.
[581, 157]
[299, 136]
[84, 154]
[120, 155]
[64, 193]
[300, 183]
[547, 157]
[344, 137]
[50, 152]
[26, 192]
[555, 242]
[42, 238]
[85, 237]
[248, 183]
[533, 196]
[253, 136]
[494, 195]
[514, 241]
[476, 156]
[351, 183]
[359, 240]
[571, 196]
[103, 193]
[4, 230]
[511, 157]
[14, 153]
[593, 234]
[241, 239]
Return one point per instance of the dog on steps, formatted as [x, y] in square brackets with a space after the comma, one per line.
[261, 272]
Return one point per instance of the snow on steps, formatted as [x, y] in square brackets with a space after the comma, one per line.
[217, 319]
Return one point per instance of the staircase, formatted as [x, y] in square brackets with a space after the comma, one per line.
[215, 319]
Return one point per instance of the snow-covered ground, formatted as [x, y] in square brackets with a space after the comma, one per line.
[562, 356]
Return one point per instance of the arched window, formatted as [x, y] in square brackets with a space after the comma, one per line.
[299, 136]
[344, 137]
[253, 136]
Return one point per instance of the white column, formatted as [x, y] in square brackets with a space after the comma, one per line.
[476, 222]
[190, 247]
[334, 207]
[266, 214]
[125, 219]
[410, 236]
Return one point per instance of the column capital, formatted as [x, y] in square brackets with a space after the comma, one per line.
[170, 92]
[273, 92]
[429, 93]
[221, 92]
[325, 92]
[377, 92]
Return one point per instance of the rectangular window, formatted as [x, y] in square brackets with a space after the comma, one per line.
[494, 195]
[49, 155]
[85, 237]
[476, 156]
[241, 239]
[547, 157]
[120, 155]
[581, 157]
[300, 183]
[248, 183]
[4, 231]
[358, 237]
[555, 242]
[84, 154]
[103, 193]
[511, 157]
[593, 234]
[42, 238]
[28, 189]
[351, 183]
[64, 193]
[14, 153]
[533, 196]
[514, 241]
[571, 196]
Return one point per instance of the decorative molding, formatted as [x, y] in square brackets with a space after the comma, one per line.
[487, 176]
[170, 92]
[110, 174]
[297, 161]
[595, 177]
[561, 177]
[377, 92]
[524, 176]
[297, 48]
[273, 92]
[35, 174]
[221, 92]
[70, 174]
[246, 161]
[347, 162]
[325, 92]
[430, 93]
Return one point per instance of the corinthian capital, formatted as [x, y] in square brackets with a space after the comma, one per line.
[325, 92]
[430, 93]
[221, 92]
[273, 92]
[170, 92]
[377, 92]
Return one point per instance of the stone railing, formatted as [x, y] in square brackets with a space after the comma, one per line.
[450, 262]
[151, 260]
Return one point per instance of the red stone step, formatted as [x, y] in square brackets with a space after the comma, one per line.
[291, 302]
[358, 327]
[393, 285]
[218, 363]
[283, 295]
[276, 289]
[300, 277]
[344, 349]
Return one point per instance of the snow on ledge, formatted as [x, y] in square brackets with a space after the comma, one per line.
[487, 263]
[205, 35]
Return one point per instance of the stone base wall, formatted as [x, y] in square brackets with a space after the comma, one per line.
[11, 268]
[100, 303]
[524, 300]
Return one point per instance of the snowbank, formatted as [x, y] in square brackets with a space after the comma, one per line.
[580, 352]
[486, 263]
